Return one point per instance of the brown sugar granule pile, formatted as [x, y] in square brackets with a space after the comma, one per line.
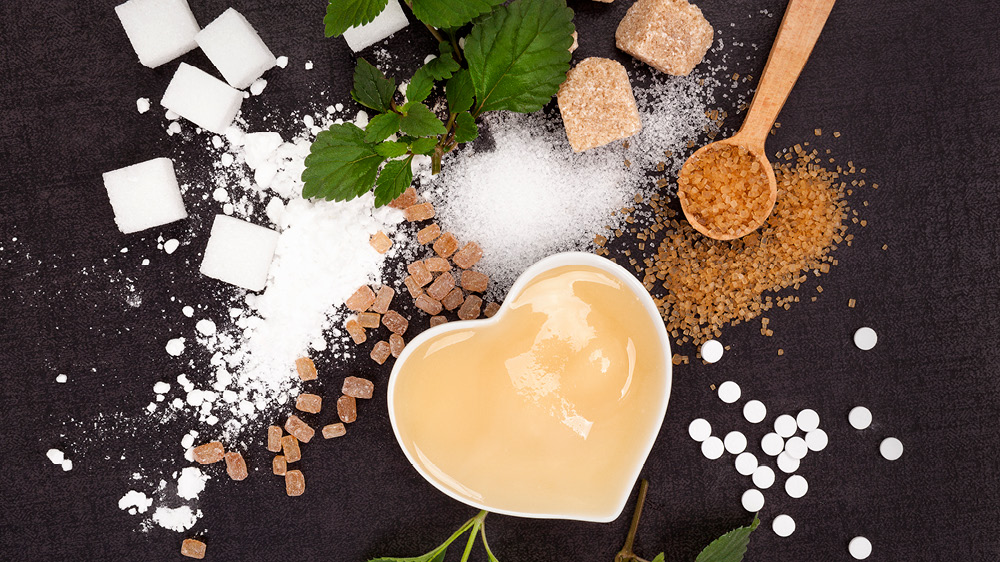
[193, 548]
[725, 189]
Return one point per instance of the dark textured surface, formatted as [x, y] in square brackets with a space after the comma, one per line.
[913, 87]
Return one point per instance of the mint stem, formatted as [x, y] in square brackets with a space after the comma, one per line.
[472, 536]
[626, 552]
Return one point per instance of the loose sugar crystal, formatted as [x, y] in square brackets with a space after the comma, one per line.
[236, 467]
[428, 234]
[441, 286]
[347, 406]
[672, 36]
[475, 281]
[239, 253]
[597, 104]
[436, 265]
[396, 323]
[193, 548]
[361, 300]
[421, 275]
[438, 320]
[279, 465]
[369, 319]
[380, 352]
[381, 242]
[159, 30]
[383, 298]
[468, 256]
[446, 245]
[202, 99]
[396, 343]
[145, 195]
[334, 430]
[470, 308]
[311, 403]
[358, 387]
[208, 453]
[306, 369]
[299, 429]
[295, 483]
[355, 330]
[274, 439]
[491, 309]
[453, 299]
[406, 199]
[428, 305]
[290, 448]
[391, 20]
[235, 48]
[419, 212]
[412, 287]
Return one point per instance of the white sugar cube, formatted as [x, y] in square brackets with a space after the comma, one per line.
[235, 48]
[391, 20]
[145, 195]
[159, 30]
[239, 252]
[202, 99]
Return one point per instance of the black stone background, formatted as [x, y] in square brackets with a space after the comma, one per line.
[912, 85]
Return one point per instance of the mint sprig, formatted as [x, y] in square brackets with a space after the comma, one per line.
[342, 15]
[477, 525]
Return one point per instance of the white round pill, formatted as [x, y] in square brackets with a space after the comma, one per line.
[754, 411]
[752, 500]
[712, 448]
[700, 429]
[796, 486]
[785, 426]
[796, 447]
[817, 440]
[746, 463]
[783, 525]
[859, 547]
[735, 442]
[787, 463]
[891, 448]
[763, 477]
[711, 351]
[729, 392]
[860, 417]
[865, 338]
[807, 420]
[772, 444]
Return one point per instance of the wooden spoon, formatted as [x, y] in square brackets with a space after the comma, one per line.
[800, 28]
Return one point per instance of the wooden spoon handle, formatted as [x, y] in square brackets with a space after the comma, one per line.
[800, 28]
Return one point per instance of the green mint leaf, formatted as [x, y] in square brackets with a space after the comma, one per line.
[391, 149]
[420, 121]
[424, 145]
[371, 88]
[420, 85]
[381, 127]
[519, 55]
[730, 547]
[443, 66]
[465, 127]
[396, 176]
[340, 165]
[460, 92]
[451, 13]
[659, 558]
[342, 15]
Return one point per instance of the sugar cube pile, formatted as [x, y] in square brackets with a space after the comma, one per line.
[239, 252]
[235, 48]
[202, 99]
[159, 30]
[597, 104]
[672, 36]
[145, 195]
[391, 20]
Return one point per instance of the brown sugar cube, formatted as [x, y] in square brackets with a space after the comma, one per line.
[427, 234]
[299, 429]
[438, 320]
[361, 299]
[597, 104]
[475, 281]
[491, 309]
[395, 322]
[334, 430]
[380, 242]
[358, 387]
[672, 36]
[295, 483]
[405, 199]
[356, 332]
[208, 453]
[396, 344]
[428, 305]
[437, 265]
[274, 439]
[380, 352]
[311, 403]
[193, 548]
[279, 465]
[419, 212]
[347, 408]
[412, 286]
[419, 272]
[306, 368]
[468, 256]
[236, 466]
[441, 286]
[383, 298]
[470, 308]
[446, 245]
[290, 448]
[369, 319]
[453, 299]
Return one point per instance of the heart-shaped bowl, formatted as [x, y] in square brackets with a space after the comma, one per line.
[620, 457]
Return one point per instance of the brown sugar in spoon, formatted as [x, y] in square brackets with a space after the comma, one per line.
[727, 188]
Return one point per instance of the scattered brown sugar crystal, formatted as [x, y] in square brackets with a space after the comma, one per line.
[358, 387]
[428, 234]
[334, 430]
[470, 308]
[437, 265]
[406, 199]
[441, 286]
[311, 403]
[468, 256]
[236, 467]
[412, 287]
[193, 548]
[475, 281]
[290, 448]
[347, 408]
[427, 304]
[383, 298]
[274, 439]
[380, 352]
[419, 272]
[295, 483]
[356, 332]
[208, 453]
[446, 245]
[395, 322]
[672, 36]
[438, 320]
[396, 343]
[419, 212]
[361, 299]
[851, 303]
[491, 309]
[369, 319]
[279, 465]
[380, 242]
[299, 429]
[726, 189]
[597, 104]
[306, 368]
[452, 300]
